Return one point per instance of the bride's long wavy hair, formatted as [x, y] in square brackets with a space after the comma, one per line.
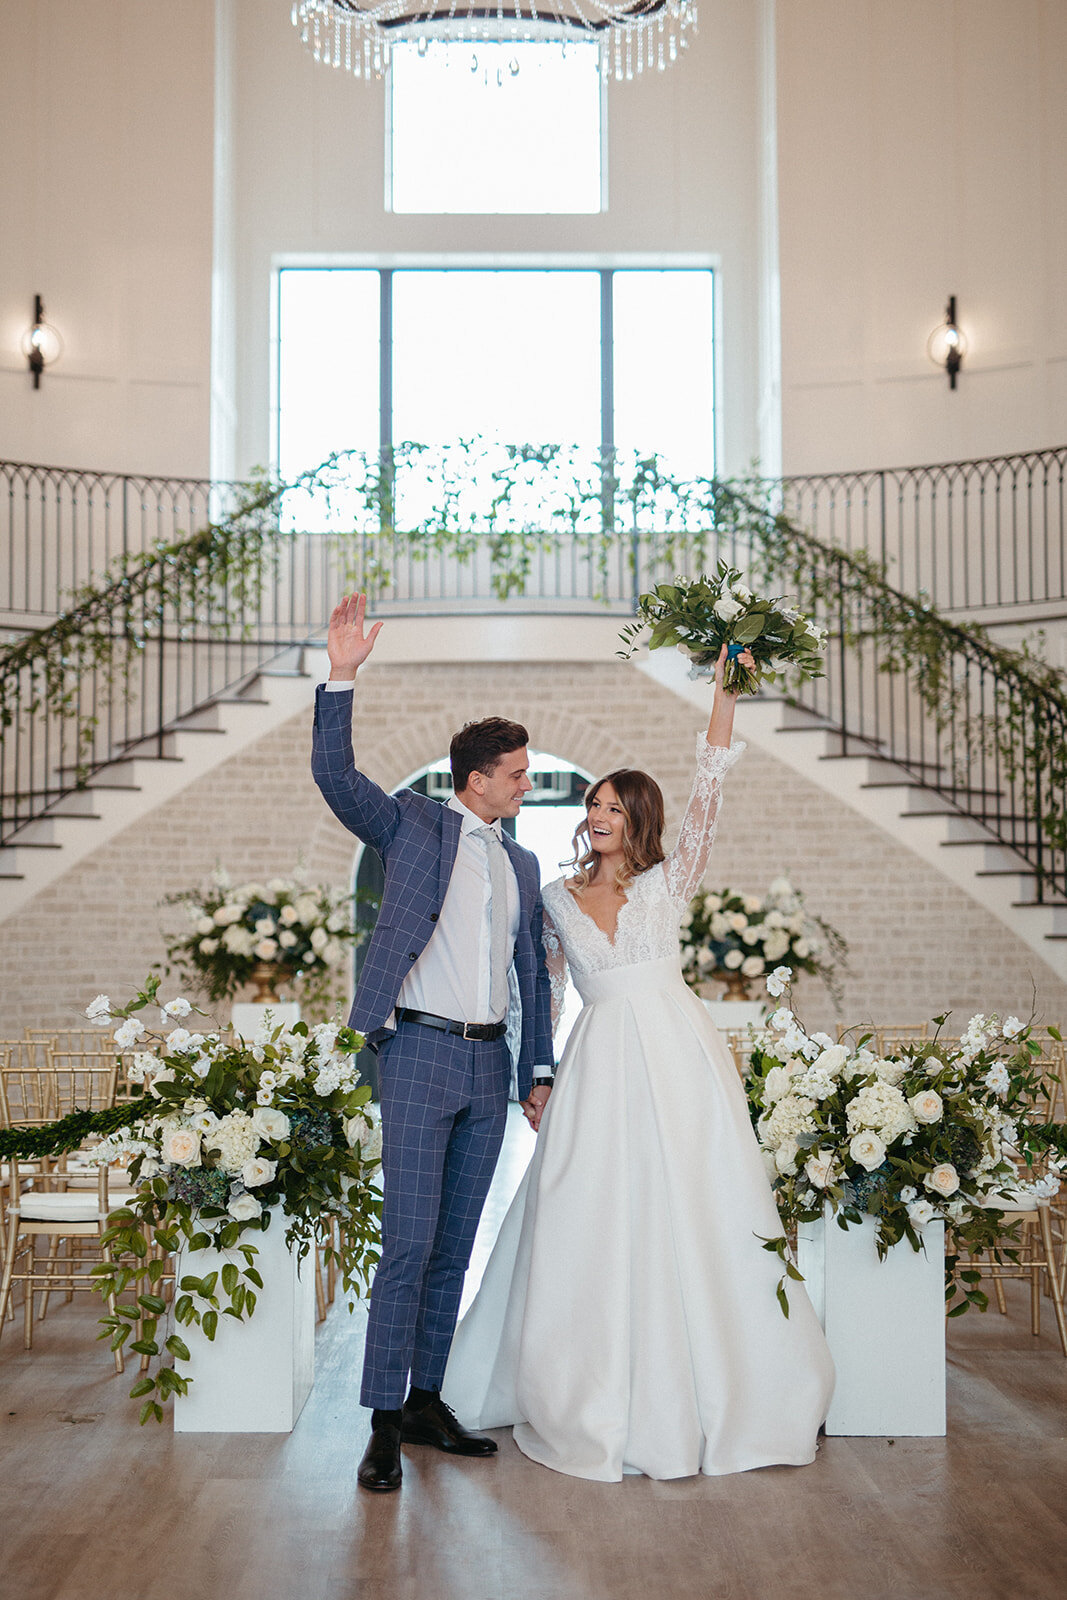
[641, 800]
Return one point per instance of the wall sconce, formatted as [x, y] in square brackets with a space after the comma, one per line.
[946, 346]
[41, 344]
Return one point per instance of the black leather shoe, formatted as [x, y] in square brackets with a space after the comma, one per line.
[380, 1469]
[436, 1424]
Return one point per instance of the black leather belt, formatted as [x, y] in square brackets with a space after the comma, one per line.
[484, 1031]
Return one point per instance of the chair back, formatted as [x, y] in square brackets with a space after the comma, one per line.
[72, 1080]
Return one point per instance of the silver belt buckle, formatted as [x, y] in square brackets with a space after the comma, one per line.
[470, 1036]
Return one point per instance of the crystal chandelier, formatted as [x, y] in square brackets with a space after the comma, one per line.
[632, 36]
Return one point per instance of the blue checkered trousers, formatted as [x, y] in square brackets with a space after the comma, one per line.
[443, 1098]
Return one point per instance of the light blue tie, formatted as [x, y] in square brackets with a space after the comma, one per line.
[499, 961]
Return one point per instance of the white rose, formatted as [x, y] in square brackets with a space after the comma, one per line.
[128, 1033]
[287, 939]
[705, 959]
[775, 1085]
[751, 935]
[1012, 1027]
[257, 1171]
[208, 947]
[732, 959]
[174, 1009]
[927, 1105]
[244, 1207]
[727, 608]
[774, 919]
[265, 926]
[99, 1011]
[712, 902]
[819, 1168]
[752, 903]
[908, 1194]
[270, 1123]
[831, 1059]
[786, 1156]
[920, 1212]
[288, 915]
[867, 1150]
[944, 1180]
[307, 909]
[752, 966]
[742, 593]
[738, 921]
[238, 941]
[205, 1121]
[802, 949]
[227, 914]
[319, 939]
[781, 1019]
[181, 1147]
[333, 953]
[266, 949]
[205, 924]
[720, 925]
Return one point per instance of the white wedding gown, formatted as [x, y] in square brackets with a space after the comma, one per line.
[627, 1318]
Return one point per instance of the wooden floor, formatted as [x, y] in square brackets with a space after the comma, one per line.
[94, 1508]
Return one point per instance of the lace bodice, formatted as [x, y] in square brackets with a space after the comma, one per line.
[647, 927]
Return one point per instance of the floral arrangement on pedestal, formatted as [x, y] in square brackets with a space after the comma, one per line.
[700, 615]
[942, 1131]
[286, 930]
[739, 937]
[223, 1139]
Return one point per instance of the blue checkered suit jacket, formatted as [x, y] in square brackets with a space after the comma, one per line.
[417, 840]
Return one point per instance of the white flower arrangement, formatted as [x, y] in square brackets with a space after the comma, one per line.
[304, 931]
[221, 1135]
[725, 931]
[942, 1132]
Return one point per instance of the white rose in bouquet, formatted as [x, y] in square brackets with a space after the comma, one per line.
[819, 1168]
[228, 914]
[319, 939]
[867, 1150]
[244, 1207]
[307, 909]
[752, 966]
[776, 945]
[287, 939]
[727, 609]
[205, 924]
[257, 1171]
[752, 904]
[943, 1180]
[181, 1147]
[266, 949]
[265, 926]
[752, 935]
[832, 1058]
[288, 915]
[712, 902]
[270, 1123]
[737, 921]
[920, 1212]
[732, 959]
[238, 941]
[785, 1157]
[927, 1106]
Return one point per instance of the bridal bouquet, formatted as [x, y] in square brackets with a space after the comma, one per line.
[700, 615]
[224, 1139]
[300, 932]
[944, 1131]
[725, 932]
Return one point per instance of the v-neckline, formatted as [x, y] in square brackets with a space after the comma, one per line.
[609, 937]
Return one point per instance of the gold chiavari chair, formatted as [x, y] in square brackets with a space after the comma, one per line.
[49, 1209]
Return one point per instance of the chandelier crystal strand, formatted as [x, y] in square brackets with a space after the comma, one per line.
[356, 35]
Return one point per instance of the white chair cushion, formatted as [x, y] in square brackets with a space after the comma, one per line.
[37, 1205]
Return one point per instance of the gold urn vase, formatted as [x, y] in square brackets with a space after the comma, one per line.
[265, 977]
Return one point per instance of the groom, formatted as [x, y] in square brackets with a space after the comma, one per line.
[459, 926]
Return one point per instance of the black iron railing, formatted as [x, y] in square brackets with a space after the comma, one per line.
[973, 536]
[172, 626]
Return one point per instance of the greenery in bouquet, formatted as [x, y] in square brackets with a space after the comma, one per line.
[224, 1138]
[301, 929]
[725, 932]
[700, 615]
[943, 1131]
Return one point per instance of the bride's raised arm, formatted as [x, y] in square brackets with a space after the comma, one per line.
[716, 754]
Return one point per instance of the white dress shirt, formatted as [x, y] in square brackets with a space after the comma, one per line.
[451, 977]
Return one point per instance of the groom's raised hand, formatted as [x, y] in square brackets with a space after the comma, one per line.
[346, 643]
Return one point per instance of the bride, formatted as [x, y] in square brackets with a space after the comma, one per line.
[627, 1319]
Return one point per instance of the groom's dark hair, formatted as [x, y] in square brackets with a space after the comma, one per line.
[478, 747]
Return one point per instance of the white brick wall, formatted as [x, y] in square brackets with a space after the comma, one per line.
[919, 945]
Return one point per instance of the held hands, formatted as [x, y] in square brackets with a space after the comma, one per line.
[346, 643]
[533, 1109]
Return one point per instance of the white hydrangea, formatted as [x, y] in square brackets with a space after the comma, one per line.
[791, 1116]
[236, 1139]
[882, 1108]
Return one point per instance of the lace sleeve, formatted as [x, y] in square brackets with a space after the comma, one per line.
[684, 868]
[556, 962]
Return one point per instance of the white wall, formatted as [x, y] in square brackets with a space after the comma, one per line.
[105, 210]
[922, 153]
[684, 165]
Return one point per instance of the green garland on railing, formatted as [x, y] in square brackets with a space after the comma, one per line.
[57, 1138]
[513, 501]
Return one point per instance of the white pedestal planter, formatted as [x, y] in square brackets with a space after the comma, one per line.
[885, 1325]
[735, 1013]
[256, 1374]
[247, 1015]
